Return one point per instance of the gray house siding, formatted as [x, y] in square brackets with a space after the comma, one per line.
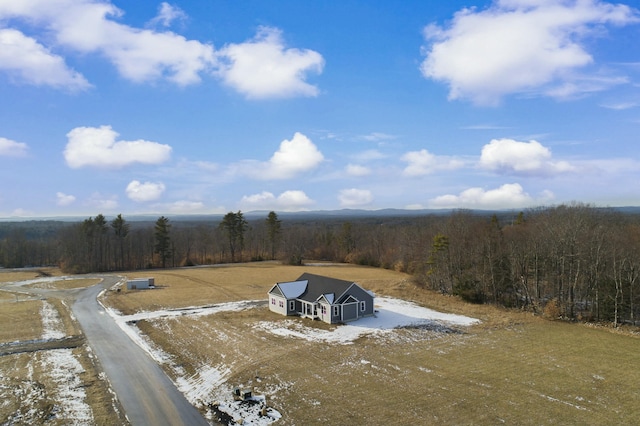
[327, 299]
[363, 296]
[350, 311]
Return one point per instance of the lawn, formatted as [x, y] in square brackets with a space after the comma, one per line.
[512, 367]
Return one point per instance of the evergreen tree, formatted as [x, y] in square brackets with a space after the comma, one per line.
[162, 239]
[273, 231]
[234, 226]
[121, 230]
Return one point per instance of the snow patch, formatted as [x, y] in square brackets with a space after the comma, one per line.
[51, 324]
[391, 314]
[64, 370]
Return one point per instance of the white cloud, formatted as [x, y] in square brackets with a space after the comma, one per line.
[357, 170]
[167, 14]
[97, 146]
[27, 61]
[369, 155]
[510, 156]
[186, 207]
[423, 162]
[355, 197]
[518, 46]
[378, 137]
[20, 212]
[508, 196]
[293, 157]
[265, 68]
[102, 202]
[11, 148]
[147, 191]
[88, 26]
[64, 199]
[291, 200]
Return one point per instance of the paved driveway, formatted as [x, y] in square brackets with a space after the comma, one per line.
[146, 393]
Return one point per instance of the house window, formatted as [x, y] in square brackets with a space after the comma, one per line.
[324, 310]
[336, 311]
[273, 301]
[363, 306]
[292, 305]
[281, 304]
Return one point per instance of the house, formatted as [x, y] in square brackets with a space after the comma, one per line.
[140, 283]
[327, 299]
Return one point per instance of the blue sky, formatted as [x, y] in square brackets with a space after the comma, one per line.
[212, 106]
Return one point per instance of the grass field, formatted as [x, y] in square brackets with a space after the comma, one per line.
[512, 368]
[53, 386]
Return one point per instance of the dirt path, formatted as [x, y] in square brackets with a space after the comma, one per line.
[144, 390]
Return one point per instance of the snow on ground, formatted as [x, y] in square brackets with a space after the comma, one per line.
[390, 314]
[208, 380]
[64, 371]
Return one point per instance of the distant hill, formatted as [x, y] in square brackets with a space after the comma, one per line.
[299, 215]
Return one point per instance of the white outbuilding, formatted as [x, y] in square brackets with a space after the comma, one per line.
[140, 283]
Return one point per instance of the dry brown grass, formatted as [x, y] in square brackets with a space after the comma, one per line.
[179, 288]
[66, 284]
[513, 368]
[29, 394]
[10, 275]
[20, 320]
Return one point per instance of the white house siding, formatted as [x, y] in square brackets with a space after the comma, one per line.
[139, 283]
[324, 312]
[278, 304]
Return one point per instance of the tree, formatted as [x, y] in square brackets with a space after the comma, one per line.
[121, 230]
[162, 240]
[234, 225]
[274, 227]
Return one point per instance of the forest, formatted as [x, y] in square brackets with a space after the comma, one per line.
[576, 261]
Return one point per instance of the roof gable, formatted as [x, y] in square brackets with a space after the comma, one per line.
[327, 297]
[292, 289]
[275, 290]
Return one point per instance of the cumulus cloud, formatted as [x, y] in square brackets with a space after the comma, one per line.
[293, 157]
[27, 61]
[517, 46]
[264, 68]
[423, 162]
[89, 26]
[291, 200]
[357, 170]
[355, 197]
[508, 196]
[97, 146]
[11, 148]
[64, 199]
[147, 191]
[511, 156]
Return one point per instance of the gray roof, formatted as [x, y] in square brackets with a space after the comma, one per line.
[319, 285]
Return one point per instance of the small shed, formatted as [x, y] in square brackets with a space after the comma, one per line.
[140, 283]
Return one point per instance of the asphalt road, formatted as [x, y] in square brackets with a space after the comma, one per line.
[146, 393]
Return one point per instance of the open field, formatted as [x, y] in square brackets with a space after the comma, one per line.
[178, 288]
[48, 375]
[512, 368]
[8, 275]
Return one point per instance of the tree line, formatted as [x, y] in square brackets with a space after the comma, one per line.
[576, 261]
